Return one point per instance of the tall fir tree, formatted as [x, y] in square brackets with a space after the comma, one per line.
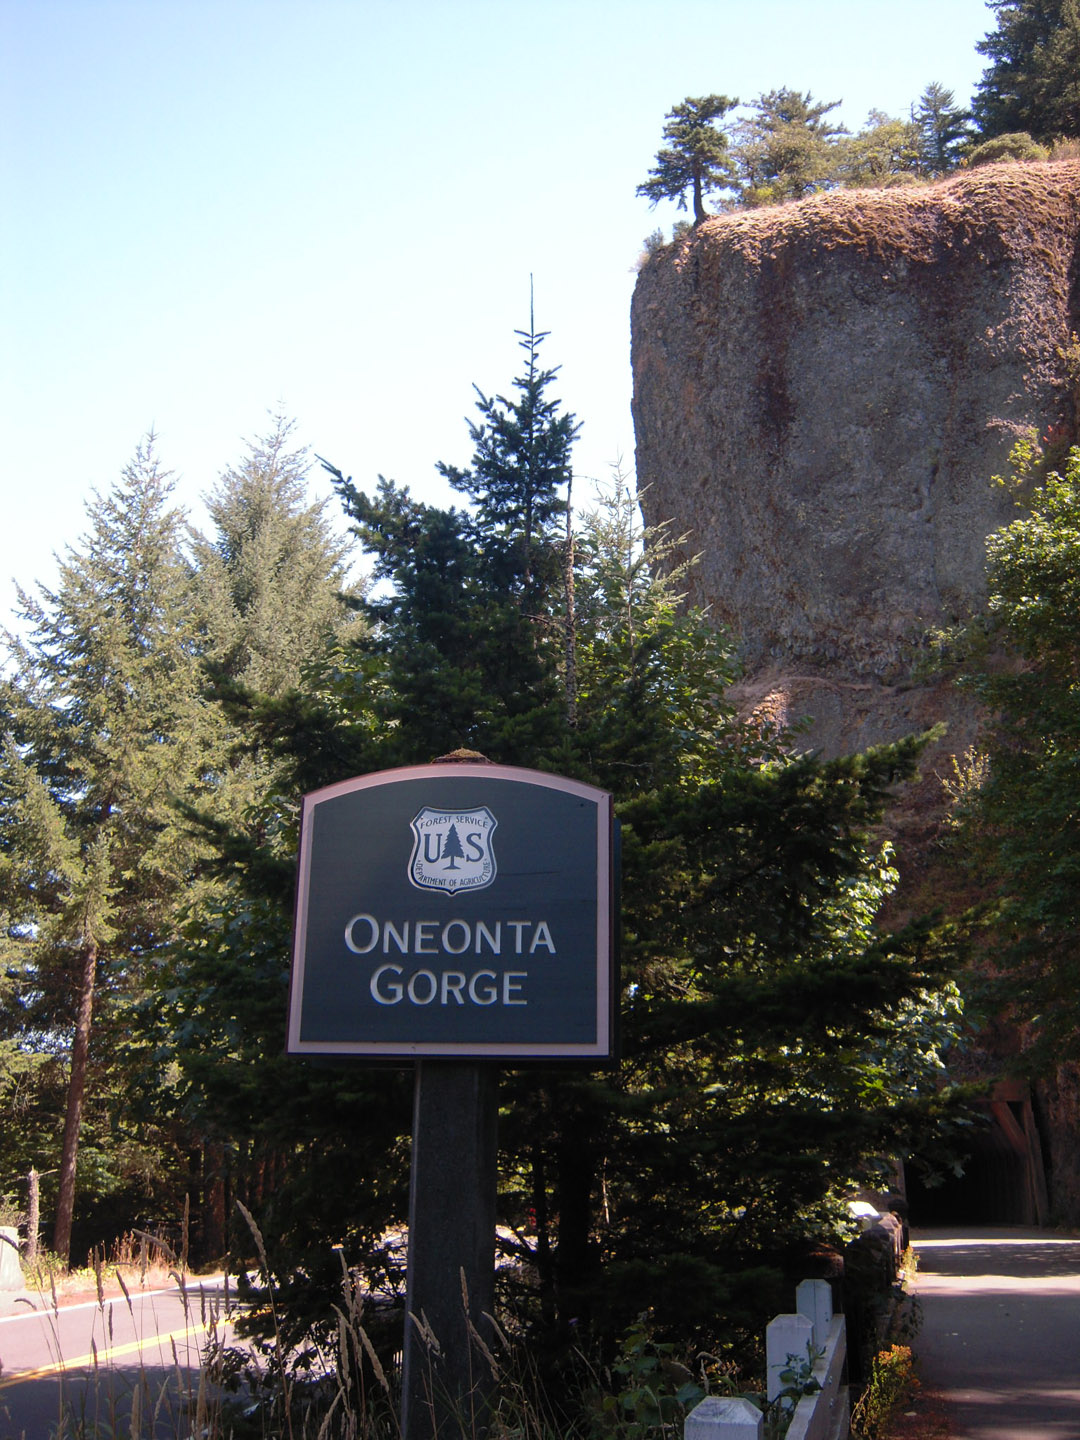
[942, 130]
[519, 479]
[471, 619]
[272, 596]
[106, 727]
[271, 579]
[1032, 83]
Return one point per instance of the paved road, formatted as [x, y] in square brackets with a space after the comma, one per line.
[93, 1362]
[1000, 1337]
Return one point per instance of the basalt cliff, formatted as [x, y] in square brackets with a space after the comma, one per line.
[822, 395]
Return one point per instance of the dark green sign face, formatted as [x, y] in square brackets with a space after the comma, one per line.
[459, 910]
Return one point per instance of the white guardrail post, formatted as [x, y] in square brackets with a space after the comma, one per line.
[724, 1418]
[814, 1334]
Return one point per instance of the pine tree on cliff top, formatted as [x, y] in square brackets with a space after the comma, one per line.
[786, 147]
[696, 160]
[942, 127]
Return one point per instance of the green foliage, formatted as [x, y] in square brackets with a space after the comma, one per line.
[942, 128]
[892, 1379]
[110, 748]
[271, 593]
[696, 159]
[785, 147]
[653, 243]
[772, 1039]
[649, 1391]
[270, 582]
[106, 728]
[1032, 83]
[1021, 824]
[1018, 146]
[758, 1005]
[883, 150]
[468, 637]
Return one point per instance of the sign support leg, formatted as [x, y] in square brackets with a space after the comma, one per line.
[447, 1382]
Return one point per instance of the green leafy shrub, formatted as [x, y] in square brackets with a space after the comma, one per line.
[1017, 146]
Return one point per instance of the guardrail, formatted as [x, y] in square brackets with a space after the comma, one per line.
[812, 1338]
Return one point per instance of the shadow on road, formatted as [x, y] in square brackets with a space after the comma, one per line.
[1000, 1326]
[1020, 1258]
[97, 1404]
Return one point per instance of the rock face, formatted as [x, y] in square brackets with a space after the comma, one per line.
[822, 393]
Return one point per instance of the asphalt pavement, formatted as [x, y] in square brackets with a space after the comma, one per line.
[88, 1367]
[1000, 1333]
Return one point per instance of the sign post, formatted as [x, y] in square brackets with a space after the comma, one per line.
[450, 1277]
[455, 915]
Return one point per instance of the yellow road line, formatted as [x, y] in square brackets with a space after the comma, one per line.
[101, 1358]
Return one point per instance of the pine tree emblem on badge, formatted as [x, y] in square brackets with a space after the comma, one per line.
[452, 850]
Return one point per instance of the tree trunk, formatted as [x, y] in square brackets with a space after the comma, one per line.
[80, 1050]
[215, 1239]
[545, 1267]
[700, 213]
[33, 1214]
[571, 616]
[576, 1258]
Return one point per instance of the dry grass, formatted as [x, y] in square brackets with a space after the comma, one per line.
[78, 1285]
[997, 206]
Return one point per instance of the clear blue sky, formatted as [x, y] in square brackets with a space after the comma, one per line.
[216, 208]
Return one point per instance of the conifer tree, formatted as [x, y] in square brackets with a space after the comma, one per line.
[471, 627]
[519, 477]
[270, 579]
[884, 148]
[942, 127]
[1019, 800]
[106, 727]
[1032, 83]
[786, 147]
[272, 596]
[696, 160]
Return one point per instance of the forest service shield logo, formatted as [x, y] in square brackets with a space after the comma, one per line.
[452, 850]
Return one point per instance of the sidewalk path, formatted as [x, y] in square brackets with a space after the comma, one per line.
[1000, 1336]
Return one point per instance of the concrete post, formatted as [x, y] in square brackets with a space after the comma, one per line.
[788, 1339]
[724, 1418]
[813, 1298]
[11, 1276]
